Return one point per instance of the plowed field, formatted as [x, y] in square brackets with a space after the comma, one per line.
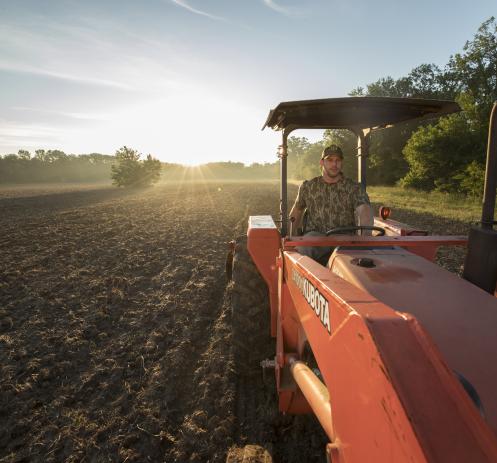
[115, 334]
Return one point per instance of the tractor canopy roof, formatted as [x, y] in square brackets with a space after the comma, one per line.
[355, 113]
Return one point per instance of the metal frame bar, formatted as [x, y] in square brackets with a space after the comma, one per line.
[315, 392]
[283, 155]
[347, 240]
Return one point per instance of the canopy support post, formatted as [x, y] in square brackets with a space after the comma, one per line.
[363, 143]
[283, 154]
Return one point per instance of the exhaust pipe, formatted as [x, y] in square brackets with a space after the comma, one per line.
[487, 217]
[480, 266]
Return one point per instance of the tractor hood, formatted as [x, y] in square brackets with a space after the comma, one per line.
[355, 113]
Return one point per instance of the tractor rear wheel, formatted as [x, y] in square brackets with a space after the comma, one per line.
[250, 313]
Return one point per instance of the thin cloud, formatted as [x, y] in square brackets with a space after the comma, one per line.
[55, 48]
[59, 75]
[72, 115]
[280, 9]
[184, 4]
[29, 134]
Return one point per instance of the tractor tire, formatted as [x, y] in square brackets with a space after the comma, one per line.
[251, 317]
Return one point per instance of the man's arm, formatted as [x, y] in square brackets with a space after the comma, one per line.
[296, 215]
[363, 211]
[364, 216]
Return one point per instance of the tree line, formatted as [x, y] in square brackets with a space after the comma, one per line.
[228, 170]
[125, 168]
[53, 166]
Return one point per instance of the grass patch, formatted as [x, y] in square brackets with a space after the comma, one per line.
[455, 207]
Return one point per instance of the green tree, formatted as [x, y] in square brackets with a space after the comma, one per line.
[474, 71]
[439, 154]
[386, 163]
[303, 158]
[151, 170]
[309, 163]
[297, 149]
[24, 155]
[455, 146]
[40, 155]
[54, 166]
[424, 81]
[450, 154]
[131, 171]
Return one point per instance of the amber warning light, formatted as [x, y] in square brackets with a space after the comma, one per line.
[385, 212]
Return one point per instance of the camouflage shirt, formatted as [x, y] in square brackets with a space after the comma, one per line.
[330, 205]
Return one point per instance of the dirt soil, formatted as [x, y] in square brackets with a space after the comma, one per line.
[115, 335]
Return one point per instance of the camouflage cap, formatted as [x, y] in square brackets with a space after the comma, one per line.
[332, 150]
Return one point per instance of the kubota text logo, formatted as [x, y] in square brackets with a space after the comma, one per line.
[314, 298]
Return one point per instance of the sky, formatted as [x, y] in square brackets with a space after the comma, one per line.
[192, 81]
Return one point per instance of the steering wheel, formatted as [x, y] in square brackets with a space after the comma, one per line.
[345, 230]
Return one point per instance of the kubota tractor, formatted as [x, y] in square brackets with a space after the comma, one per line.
[395, 356]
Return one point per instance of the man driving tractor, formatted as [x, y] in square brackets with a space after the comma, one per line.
[331, 201]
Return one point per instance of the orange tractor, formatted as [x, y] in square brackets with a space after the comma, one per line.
[395, 356]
